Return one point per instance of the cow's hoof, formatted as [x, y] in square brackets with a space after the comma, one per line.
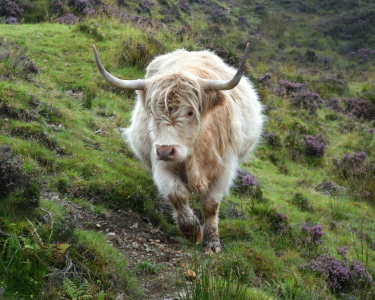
[213, 246]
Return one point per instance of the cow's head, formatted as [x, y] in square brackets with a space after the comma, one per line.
[176, 104]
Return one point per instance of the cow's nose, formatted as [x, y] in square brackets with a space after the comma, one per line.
[166, 152]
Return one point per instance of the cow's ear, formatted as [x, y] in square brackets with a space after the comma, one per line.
[211, 100]
[142, 97]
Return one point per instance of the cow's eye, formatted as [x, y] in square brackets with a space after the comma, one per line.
[190, 113]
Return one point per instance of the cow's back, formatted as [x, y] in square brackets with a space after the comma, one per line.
[203, 64]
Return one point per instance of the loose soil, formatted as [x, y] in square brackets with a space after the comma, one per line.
[139, 240]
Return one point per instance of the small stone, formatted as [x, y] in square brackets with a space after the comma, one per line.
[98, 225]
[178, 252]
[150, 240]
[110, 235]
[190, 275]
[153, 231]
[157, 241]
[134, 226]
[135, 245]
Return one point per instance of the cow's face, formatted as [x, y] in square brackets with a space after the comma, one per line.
[175, 122]
[177, 105]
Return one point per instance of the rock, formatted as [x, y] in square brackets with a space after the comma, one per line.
[190, 275]
[98, 225]
[111, 236]
[134, 226]
[135, 245]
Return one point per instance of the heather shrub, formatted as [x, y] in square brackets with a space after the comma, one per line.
[63, 229]
[247, 184]
[169, 14]
[335, 105]
[331, 83]
[136, 52]
[81, 6]
[314, 146]
[312, 236]
[278, 222]
[302, 203]
[273, 139]
[92, 29]
[342, 276]
[68, 19]
[230, 56]
[351, 165]
[265, 78]
[144, 7]
[243, 21]
[357, 173]
[218, 15]
[311, 56]
[360, 108]
[328, 188]
[288, 88]
[307, 100]
[10, 9]
[15, 183]
[184, 6]
[14, 61]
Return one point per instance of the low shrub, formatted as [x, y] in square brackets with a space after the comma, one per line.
[247, 184]
[68, 19]
[14, 61]
[279, 222]
[312, 236]
[360, 108]
[302, 203]
[357, 173]
[307, 100]
[314, 146]
[273, 139]
[15, 183]
[218, 15]
[140, 52]
[343, 276]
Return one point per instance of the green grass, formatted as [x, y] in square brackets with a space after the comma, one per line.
[69, 144]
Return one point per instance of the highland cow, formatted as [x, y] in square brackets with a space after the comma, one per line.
[194, 118]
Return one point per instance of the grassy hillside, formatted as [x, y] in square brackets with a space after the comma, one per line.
[299, 221]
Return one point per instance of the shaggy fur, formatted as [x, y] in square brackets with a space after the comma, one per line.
[209, 131]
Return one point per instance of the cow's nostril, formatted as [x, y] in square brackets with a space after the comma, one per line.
[166, 152]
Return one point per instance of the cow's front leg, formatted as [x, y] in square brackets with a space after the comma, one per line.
[210, 204]
[175, 190]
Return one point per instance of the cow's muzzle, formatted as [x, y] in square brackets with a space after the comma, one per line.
[166, 153]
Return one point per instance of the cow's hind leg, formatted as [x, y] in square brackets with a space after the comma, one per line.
[210, 204]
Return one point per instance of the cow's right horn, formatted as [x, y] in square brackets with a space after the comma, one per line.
[138, 84]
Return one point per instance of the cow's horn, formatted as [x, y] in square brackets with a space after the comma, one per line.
[138, 84]
[217, 85]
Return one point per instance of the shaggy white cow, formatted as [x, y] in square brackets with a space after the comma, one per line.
[194, 118]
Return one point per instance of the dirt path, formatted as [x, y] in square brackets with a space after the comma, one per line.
[140, 241]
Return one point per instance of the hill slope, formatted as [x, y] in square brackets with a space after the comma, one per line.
[301, 229]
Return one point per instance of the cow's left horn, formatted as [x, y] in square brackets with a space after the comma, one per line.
[218, 85]
[138, 84]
